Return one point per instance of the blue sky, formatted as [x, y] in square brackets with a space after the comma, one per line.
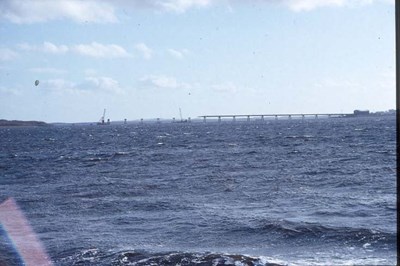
[148, 58]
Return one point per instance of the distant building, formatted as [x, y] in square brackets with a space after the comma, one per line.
[361, 112]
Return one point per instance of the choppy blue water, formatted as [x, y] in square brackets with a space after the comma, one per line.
[314, 191]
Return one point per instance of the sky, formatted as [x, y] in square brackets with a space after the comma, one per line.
[148, 58]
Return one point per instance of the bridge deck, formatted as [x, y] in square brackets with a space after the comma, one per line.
[276, 115]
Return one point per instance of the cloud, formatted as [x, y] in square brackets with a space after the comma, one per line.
[226, 87]
[48, 70]
[34, 11]
[8, 91]
[146, 52]
[46, 47]
[106, 84]
[163, 82]
[99, 50]
[89, 85]
[181, 6]
[54, 49]
[178, 54]
[105, 11]
[7, 54]
[93, 49]
[308, 5]
[92, 11]
[175, 6]
[59, 86]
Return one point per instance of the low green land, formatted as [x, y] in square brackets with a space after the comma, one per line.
[18, 123]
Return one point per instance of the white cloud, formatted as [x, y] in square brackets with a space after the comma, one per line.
[181, 6]
[178, 54]
[49, 70]
[105, 11]
[58, 85]
[54, 49]
[226, 87]
[100, 50]
[163, 82]
[7, 54]
[34, 11]
[8, 91]
[106, 84]
[46, 47]
[307, 5]
[176, 6]
[93, 49]
[146, 52]
[89, 85]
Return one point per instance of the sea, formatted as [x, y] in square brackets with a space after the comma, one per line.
[274, 192]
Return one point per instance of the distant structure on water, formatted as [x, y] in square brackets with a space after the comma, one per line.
[182, 120]
[102, 120]
[361, 113]
[262, 117]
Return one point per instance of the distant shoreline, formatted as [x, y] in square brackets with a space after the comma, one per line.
[19, 123]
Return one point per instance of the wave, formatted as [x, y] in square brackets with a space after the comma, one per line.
[139, 258]
[310, 232]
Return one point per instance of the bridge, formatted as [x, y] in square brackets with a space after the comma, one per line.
[276, 116]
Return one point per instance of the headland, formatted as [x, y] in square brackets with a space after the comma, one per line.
[19, 123]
